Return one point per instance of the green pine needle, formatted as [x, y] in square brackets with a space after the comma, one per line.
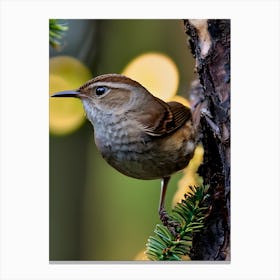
[190, 214]
[56, 32]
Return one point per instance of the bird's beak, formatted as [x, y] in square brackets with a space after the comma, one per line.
[67, 93]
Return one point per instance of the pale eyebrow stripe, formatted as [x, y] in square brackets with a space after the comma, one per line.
[109, 84]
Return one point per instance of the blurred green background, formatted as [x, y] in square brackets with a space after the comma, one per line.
[97, 213]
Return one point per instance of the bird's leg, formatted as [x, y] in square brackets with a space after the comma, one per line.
[164, 184]
[164, 217]
[162, 213]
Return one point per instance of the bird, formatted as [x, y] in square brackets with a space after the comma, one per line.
[138, 134]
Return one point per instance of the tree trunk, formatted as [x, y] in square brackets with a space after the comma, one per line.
[210, 44]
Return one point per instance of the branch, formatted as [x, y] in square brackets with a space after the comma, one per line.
[190, 215]
[56, 32]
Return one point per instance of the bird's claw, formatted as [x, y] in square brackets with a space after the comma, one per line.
[168, 222]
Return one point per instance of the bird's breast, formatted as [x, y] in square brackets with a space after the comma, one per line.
[121, 139]
[125, 147]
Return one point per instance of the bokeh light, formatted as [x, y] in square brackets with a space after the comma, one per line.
[156, 72]
[190, 176]
[66, 114]
[141, 256]
[181, 100]
[70, 69]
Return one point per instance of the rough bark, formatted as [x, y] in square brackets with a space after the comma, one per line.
[209, 41]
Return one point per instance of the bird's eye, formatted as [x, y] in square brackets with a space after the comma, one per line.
[101, 90]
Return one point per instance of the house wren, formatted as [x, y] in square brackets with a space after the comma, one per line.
[137, 133]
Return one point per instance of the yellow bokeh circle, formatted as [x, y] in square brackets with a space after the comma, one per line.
[156, 72]
[70, 69]
[181, 100]
[141, 256]
[66, 114]
[190, 176]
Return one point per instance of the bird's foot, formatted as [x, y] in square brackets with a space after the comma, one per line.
[167, 221]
